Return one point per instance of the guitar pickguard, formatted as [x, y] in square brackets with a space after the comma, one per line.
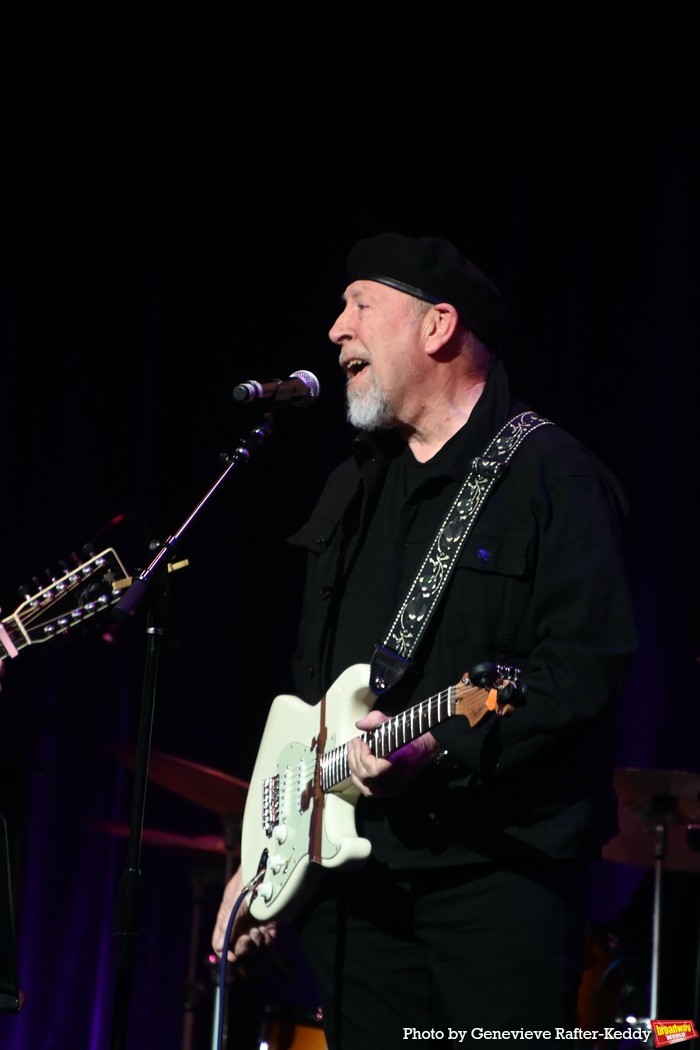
[303, 829]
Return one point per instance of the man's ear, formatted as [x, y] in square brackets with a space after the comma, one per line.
[441, 323]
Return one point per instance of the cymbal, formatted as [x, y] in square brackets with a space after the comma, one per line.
[216, 792]
[647, 799]
[206, 847]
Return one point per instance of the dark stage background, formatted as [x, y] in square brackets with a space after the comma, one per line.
[181, 183]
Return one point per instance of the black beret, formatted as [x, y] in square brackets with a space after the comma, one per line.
[433, 269]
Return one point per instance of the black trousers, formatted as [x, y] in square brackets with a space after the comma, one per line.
[396, 955]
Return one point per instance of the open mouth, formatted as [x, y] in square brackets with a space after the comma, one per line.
[354, 366]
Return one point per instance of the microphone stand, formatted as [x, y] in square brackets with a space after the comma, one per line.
[152, 583]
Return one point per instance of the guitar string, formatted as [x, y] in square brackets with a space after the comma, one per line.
[334, 762]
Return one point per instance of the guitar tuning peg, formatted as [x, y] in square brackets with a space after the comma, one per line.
[512, 692]
[507, 692]
[484, 675]
[23, 592]
[88, 550]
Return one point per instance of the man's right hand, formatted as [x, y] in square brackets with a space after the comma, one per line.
[247, 936]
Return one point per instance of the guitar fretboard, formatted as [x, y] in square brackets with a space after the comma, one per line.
[396, 732]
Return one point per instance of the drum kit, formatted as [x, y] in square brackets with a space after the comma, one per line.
[659, 829]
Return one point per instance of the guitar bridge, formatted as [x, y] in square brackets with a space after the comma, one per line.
[270, 804]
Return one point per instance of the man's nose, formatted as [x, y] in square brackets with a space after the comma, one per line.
[339, 330]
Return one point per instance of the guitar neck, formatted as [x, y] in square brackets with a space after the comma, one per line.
[11, 638]
[400, 730]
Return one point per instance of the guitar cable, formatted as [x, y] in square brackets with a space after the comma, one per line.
[223, 963]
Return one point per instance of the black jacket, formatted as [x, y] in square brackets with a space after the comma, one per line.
[540, 585]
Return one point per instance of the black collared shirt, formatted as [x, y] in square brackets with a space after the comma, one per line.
[540, 584]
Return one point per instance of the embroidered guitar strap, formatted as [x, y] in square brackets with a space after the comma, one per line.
[393, 656]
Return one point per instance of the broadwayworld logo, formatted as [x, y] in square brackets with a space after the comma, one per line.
[668, 1033]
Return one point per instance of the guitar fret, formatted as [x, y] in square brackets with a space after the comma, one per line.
[391, 735]
[334, 767]
[342, 770]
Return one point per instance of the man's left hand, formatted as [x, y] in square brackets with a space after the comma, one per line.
[381, 777]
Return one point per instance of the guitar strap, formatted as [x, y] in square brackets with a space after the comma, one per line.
[393, 656]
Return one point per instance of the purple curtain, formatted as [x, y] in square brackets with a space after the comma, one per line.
[181, 188]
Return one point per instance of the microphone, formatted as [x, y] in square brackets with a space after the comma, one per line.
[300, 389]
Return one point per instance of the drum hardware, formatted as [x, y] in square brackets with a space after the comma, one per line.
[221, 794]
[657, 811]
[225, 796]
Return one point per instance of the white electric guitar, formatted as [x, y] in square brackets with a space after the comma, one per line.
[68, 600]
[300, 808]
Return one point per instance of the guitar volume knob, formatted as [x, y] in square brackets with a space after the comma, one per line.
[265, 891]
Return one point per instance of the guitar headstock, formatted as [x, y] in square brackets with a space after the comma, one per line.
[70, 599]
[489, 689]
